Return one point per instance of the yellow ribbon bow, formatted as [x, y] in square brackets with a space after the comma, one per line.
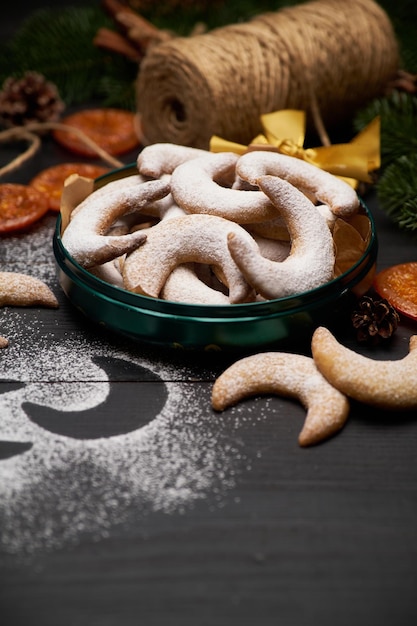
[284, 132]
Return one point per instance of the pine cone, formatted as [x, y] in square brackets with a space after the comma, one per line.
[374, 320]
[29, 99]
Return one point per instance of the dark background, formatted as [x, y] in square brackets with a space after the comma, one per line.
[318, 537]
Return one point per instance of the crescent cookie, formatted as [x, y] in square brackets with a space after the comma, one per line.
[85, 236]
[325, 187]
[272, 249]
[18, 289]
[183, 285]
[158, 208]
[288, 375]
[388, 384]
[198, 187]
[311, 259]
[108, 272]
[277, 229]
[191, 238]
[162, 158]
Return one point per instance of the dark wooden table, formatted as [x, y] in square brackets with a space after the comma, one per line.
[125, 500]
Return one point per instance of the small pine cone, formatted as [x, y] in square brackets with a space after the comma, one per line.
[374, 320]
[29, 99]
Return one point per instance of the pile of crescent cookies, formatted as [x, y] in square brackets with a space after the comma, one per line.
[194, 226]
[199, 227]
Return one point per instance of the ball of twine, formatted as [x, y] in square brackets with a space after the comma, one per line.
[325, 57]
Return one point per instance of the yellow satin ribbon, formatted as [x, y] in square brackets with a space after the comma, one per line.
[284, 132]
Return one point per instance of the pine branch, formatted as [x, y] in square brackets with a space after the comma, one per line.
[58, 43]
[398, 126]
[397, 191]
[398, 114]
[408, 219]
[396, 186]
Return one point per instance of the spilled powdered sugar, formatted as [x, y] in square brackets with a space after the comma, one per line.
[56, 490]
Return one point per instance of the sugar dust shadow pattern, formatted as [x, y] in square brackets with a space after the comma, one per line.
[9, 449]
[127, 407]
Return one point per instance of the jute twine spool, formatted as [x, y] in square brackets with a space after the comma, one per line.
[326, 56]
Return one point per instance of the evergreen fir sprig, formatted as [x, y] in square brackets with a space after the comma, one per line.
[396, 185]
[408, 214]
[398, 113]
[58, 43]
[399, 126]
[397, 191]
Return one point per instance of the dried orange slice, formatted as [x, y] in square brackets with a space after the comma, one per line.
[398, 285]
[20, 207]
[50, 181]
[111, 129]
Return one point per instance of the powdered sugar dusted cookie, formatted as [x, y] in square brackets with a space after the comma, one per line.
[198, 186]
[311, 259]
[326, 188]
[183, 285]
[388, 384]
[86, 237]
[273, 249]
[192, 238]
[17, 289]
[162, 158]
[277, 228]
[288, 375]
